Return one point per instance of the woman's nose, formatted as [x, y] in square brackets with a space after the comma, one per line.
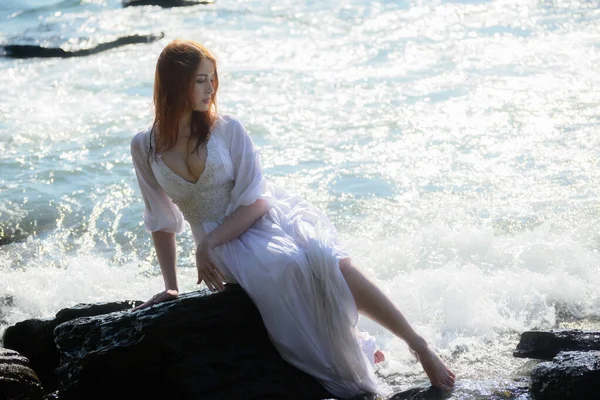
[210, 89]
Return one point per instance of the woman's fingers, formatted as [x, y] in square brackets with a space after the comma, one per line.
[204, 276]
[208, 272]
[209, 283]
[212, 280]
[157, 298]
[143, 305]
[218, 278]
[211, 276]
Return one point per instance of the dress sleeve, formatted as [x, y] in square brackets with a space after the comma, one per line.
[250, 185]
[160, 213]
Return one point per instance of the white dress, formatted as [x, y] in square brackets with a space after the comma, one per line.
[287, 262]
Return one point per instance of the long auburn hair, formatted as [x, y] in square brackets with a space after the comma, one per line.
[174, 81]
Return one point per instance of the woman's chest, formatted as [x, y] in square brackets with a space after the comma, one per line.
[213, 166]
[187, 161]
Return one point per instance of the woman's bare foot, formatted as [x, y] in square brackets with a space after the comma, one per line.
[379, 356]
[438, 373]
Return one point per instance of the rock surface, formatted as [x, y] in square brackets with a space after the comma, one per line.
[17, 379]
[199, 346]
[34, 338]
[35, 51]
[165, 3]
[572, 375]
[546, 345]
[215, 346]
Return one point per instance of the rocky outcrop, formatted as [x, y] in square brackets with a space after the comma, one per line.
[17, 379]
[7, 237]
[572, 375]
[215, 346]
[546, 345]
[574, 370]
[165, 3]
[202, 345]
[35, 51]
[34, 338]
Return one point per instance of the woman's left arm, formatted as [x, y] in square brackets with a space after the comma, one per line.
[235, 224]
[249, 201]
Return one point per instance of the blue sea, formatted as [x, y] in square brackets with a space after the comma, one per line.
[454, 144]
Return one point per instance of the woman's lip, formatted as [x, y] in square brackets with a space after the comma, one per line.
[206, 101]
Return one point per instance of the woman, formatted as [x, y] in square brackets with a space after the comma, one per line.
[199, 166]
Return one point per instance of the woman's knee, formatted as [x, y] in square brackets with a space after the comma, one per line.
[346, 265]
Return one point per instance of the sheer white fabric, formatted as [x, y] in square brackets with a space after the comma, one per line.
[288, 261]
[160, 213]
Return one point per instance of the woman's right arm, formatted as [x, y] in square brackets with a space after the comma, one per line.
[166, 252]
[162, 218]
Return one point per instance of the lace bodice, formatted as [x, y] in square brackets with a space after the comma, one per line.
[203, 201]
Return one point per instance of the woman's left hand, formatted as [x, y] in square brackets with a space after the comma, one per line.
[207, 270]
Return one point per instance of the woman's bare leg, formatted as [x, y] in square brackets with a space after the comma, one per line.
[374, 304]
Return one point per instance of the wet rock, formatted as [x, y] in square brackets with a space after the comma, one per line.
[546, 345]
[35, 51]
[513, 389]
[198, 346]
[17, 380]
[165, 3]
[571, 375]
[7, 237]
[34, 338]
[52, 396]
[420, 393]
[201, 345]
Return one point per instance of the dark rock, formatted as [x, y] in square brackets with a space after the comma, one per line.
[488, 390]
[202, 345]
[34, 338]
[7, 237]
[420, 393]
[35, 51]
[571, 375]
[52, 396]
[165, 3]
[17, 380]
[546, 345]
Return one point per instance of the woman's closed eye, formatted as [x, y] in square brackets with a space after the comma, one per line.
[203, 79]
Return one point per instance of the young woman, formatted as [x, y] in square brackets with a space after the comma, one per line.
[198, 166]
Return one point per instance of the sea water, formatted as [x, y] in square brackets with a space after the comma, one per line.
[454, 144]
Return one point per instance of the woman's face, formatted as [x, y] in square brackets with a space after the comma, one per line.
[203, 85]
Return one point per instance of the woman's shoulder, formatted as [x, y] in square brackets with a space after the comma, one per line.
[229, 127]
[140, 142]
[229, 121]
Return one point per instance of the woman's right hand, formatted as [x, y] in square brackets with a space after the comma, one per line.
[165, 295]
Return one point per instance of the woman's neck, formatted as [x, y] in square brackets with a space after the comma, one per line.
[185, 122]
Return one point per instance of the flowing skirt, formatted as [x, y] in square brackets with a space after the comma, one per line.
[288, 263]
